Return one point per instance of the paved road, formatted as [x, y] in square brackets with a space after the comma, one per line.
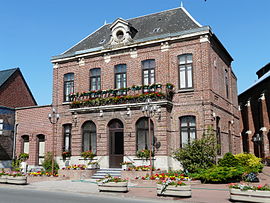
[8, 195]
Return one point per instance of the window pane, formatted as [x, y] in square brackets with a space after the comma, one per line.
[182, 77]
[26, 147]
[184, 121]
[41, 148]
[98, 83]
[184, 137]
[189, 58]
[182, 60]
[86, 141]
[141, 139]
[152, 76]
[192, 134]
[93, 142]
[189, 75]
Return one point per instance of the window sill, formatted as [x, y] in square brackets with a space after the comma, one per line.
[66, 103]
[186, 90]
[138, 159]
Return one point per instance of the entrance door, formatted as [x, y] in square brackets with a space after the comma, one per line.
[116, 144]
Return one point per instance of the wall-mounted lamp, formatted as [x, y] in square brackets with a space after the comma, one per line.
[128, 112]
[101, 113]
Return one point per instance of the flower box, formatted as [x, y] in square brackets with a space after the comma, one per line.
[172, 190]
[3, 179]
[249, 195]
[19, 180]
[113, 187]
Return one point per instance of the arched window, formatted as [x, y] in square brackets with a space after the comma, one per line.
[187, 129]
[25, 146]
[68, 85]
[142, 132]
[148, 71]
[95, 82]
[185, 71]
[120, 78]
[41, 148]
[89, 137]
[67, 138]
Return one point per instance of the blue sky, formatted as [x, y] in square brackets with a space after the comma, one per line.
[32, 31]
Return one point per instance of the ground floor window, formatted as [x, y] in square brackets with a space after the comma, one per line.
[25, 144]
[89, 137]
[187, 129]
[41, 148]
[142, 132]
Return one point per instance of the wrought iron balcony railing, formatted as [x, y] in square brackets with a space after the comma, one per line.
[134, 94]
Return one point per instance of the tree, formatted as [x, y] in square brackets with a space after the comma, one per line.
[199, 154]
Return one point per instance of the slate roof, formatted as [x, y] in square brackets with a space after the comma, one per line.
[6, 74]
[167, 22]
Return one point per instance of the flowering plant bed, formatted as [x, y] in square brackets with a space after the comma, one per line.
[173, 188]
[113, 184]
[144, 154]
[141, 168]
[75, 167]
[126, 164]
[247, 193]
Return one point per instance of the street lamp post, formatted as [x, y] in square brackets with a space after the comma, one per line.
[258, 139]
[149, 110]
[53, 118]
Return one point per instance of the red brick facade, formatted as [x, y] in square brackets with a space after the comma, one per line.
[207, 100]
[15, 92]
[255, 113]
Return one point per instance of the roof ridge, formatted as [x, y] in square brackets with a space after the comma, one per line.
[9, 69]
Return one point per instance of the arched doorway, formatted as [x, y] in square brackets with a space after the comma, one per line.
[116, 143]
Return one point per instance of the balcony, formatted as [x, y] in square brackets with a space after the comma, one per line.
[121, 98]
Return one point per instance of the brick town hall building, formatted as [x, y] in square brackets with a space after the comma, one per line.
[101, 84]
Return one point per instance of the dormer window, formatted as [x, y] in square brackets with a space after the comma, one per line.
[121, 32]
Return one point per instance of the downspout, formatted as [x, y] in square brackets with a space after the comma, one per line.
[14, 139]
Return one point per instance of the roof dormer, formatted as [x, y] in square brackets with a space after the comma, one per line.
[120, 32]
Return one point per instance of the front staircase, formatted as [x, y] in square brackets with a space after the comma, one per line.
[101, 173]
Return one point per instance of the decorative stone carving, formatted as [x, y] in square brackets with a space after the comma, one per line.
[133, 53]
[204, 38]
[121, 32]
[165, 47]
[81, 62]
[107, 58]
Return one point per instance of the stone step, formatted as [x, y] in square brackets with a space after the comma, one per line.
[101, 173]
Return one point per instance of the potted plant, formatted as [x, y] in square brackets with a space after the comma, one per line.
[88, 155]
[66, 154]
[93, 165]
[248, 193]
[3, 176]
[144, 154]
[112, 184]
[17, 178]
[173, 188]
[126, 164]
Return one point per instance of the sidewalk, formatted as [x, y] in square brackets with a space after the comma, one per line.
[201, 193]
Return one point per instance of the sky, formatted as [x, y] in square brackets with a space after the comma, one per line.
[32, 31]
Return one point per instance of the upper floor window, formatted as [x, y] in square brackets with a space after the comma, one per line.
[148, 71]
[226, 84]
[185, 71]
[68, 85]
[120, 72]
[95, 82]
[187, 130]
[67, 138]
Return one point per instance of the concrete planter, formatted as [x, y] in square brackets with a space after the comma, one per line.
[171, 190]
[3, 179]
[113, 187]
[18, 180]
[249, 195]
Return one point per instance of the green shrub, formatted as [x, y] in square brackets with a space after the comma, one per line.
[23, 156]
[199, 154]
[219, 174]
[15, 164]
[47, 163]
[228, 160]
[250, 162]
